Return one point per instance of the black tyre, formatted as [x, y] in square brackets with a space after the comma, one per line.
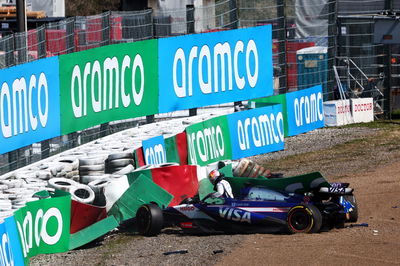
[354, 213]
[304, 219]
[149, 220]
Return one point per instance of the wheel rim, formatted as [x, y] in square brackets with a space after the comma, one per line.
[300, 220]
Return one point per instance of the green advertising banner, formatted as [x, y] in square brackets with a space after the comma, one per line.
[209, 141]
[44, 225]
[107, 84]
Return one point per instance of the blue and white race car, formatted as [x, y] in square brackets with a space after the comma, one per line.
[257, 210]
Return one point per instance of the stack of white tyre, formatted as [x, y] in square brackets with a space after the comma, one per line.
[121, 162]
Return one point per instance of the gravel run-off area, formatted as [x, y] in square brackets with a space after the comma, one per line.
[367, 157]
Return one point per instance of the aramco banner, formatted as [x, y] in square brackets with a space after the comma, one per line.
[29, 104]
[107, 84]
[10, 245]
[209, 141]
[256, 131]
[154, 150]
[44, 225]
[305, 110]
[212, 68]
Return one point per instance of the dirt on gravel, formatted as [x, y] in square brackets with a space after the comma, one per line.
[366, 157]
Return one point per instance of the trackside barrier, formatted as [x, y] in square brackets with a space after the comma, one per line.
[10, 245]
[67, 93]
[29, 104]
[343, 112]
[337, 113]
[214, 68]
[302, 110]
[44, 225]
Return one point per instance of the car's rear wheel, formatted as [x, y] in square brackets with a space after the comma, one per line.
[304, 219]
[149, 220]
[354, 213]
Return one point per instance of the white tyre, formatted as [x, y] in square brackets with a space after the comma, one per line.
[83, 193]
[120, 155]
[62, 183]
[95, 167]
[125, 170]
[91, 161]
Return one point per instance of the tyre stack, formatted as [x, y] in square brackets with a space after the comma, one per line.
[70, 165]
[18, 189]
[120, 163]
[98, 186]
[248, 168]
[91, 169]
[79, 192]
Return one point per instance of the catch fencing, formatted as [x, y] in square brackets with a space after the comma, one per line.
[309, 38]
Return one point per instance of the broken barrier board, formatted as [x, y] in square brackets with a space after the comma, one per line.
[176, 149]
[84, 215]
[296, 184]
[92, 232]
[181, 181]
[139, 157]
[141, 191]
[44, 225]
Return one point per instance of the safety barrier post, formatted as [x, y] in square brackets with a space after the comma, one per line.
[105, 28]
[190, 29]
[332, 33]
[282, 40]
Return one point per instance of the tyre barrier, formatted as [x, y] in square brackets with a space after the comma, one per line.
[82, 193]
[62, 184]
[86, 179]
[117, 161]
[94, 166]
[125, 170]
[98, 186]
[248, 168]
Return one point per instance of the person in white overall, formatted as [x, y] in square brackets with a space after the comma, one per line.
[221, 186]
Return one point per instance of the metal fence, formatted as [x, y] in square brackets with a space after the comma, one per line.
[309, 38]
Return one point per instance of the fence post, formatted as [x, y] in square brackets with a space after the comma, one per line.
[45, 149]
[105, 28]
[9, 46]
[281, 10]
[70, 35]
[387, 93]
[332, 48]
[41, 44]
[190, 29]
[12, 160]
[233, 14]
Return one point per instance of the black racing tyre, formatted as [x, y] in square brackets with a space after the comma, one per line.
[354, 213]
[149, 220]
[304, 219]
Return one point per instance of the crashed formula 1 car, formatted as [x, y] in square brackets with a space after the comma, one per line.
[256, 210]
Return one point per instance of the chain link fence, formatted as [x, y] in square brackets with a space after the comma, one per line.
[309, 38]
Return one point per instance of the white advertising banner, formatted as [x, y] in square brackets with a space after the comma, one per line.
[363, 110]
[337, 113]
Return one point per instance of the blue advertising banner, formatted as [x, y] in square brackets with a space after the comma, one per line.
[212, 68]
[154, 150]
[305, 110]
[256, 131]
[10, 244]
[29, 104]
